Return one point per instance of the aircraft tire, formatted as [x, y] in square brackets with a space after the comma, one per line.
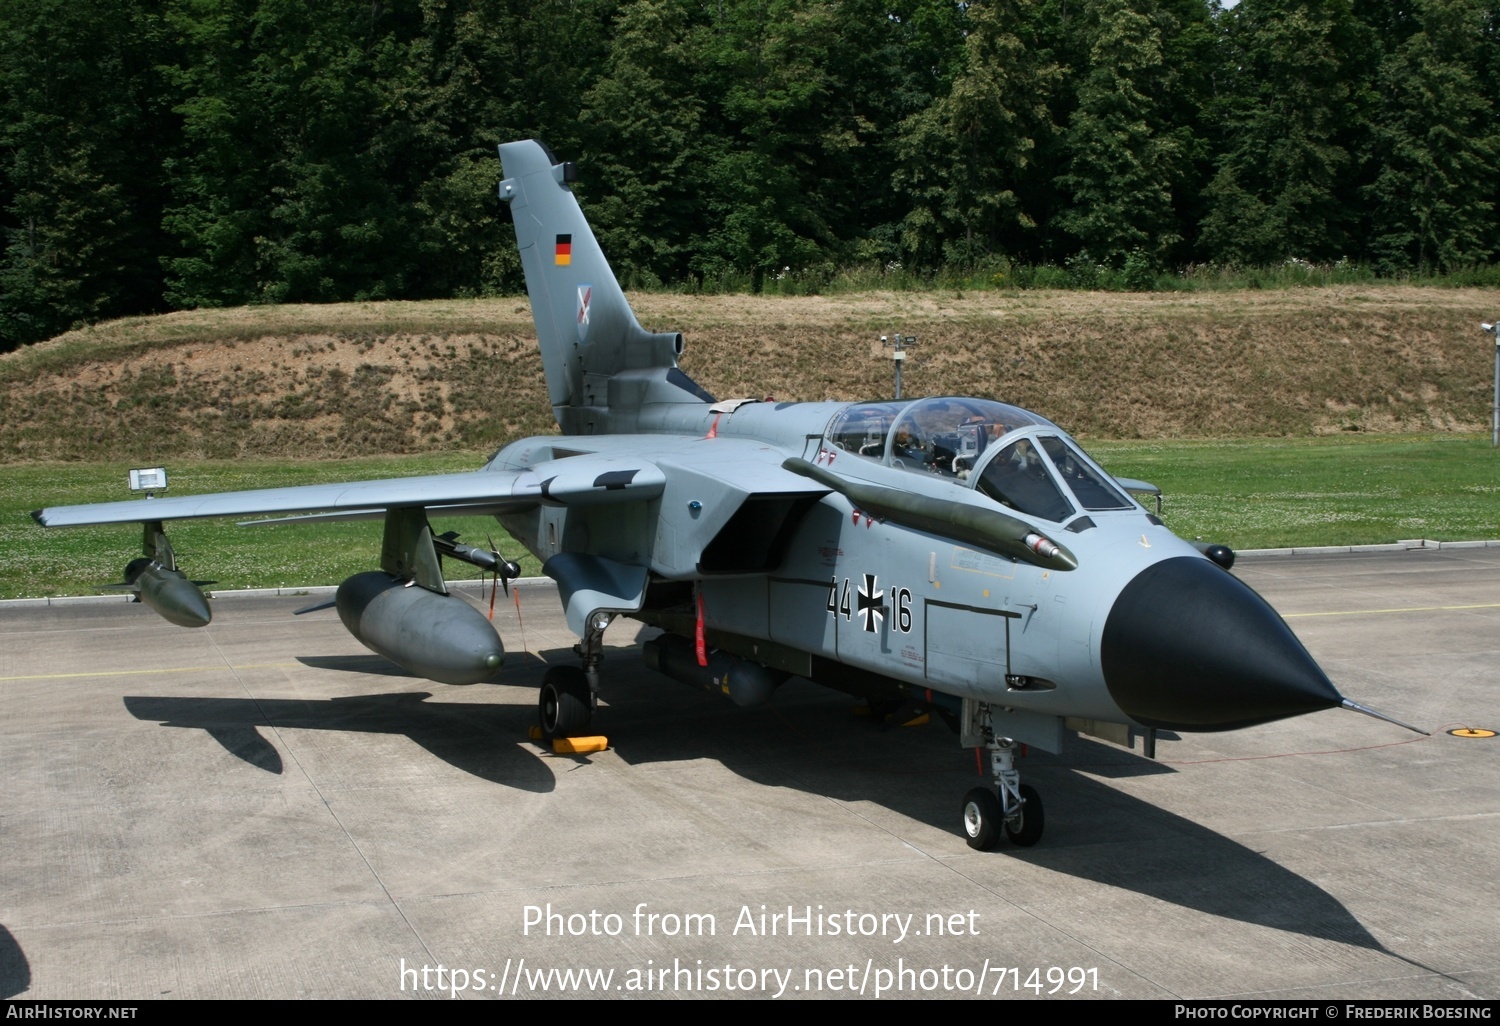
[563, 706]
[981, 819]
[1024, 828]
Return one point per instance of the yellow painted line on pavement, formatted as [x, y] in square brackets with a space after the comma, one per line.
[1403, 609]
[136, 673]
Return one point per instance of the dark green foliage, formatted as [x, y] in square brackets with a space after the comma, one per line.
[347, 153]
[642, 128]
[290, 186]
[766, 70]
[221, 152]
[84, 127]
[1436, 145]
[1124, 160]
[1294, 92]
[967, 159]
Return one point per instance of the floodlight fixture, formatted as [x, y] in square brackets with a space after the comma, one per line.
[149, 480]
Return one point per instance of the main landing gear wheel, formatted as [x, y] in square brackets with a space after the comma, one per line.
[565, 705]
[982, 817]
[1024, 826]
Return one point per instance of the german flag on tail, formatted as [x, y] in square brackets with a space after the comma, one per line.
[562, 256]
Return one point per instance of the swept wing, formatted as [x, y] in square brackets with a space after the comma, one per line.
[579, 480]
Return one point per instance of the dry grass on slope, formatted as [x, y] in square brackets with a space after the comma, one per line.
[361, 378]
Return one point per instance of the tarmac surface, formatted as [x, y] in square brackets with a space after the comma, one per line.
[262, 808]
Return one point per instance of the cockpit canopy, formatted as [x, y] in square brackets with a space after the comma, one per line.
[1040, 472]
[944, 436]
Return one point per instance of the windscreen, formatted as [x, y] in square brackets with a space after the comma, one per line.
[1092, 490]
[1017, 477]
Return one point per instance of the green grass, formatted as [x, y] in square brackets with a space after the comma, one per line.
[74, 561]
[1255, 493]
[1345, 490]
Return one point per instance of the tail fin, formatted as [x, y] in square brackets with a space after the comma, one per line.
[588, 334]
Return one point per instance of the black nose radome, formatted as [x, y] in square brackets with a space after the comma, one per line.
[1190, 647]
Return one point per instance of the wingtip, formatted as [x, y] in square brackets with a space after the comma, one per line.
[39, 515]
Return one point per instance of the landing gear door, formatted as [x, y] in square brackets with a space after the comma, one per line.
[983, 722]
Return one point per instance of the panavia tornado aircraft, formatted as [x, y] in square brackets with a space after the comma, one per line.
[957, 554]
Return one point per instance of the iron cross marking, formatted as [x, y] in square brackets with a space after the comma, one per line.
[869, 603]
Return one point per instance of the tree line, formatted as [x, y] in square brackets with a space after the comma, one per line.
[185, 153]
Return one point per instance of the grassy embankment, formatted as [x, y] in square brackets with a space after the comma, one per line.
[1329, 416]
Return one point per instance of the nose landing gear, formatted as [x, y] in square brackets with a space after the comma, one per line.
[1010, 807]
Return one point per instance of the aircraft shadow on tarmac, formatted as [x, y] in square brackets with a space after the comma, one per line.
[15, 970]
[1094, 832]
[806, 739]
[372, 664]
[477, 738]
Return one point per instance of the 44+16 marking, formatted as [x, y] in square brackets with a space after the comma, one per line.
[868, 602]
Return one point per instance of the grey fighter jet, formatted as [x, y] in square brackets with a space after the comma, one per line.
[956, 554]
